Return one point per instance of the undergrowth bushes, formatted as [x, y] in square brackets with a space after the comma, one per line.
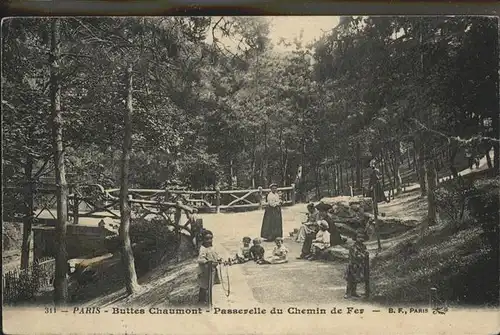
[154, 241]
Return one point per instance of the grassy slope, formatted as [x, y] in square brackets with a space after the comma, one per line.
[170, 283]
[454, 263]
[457, 261]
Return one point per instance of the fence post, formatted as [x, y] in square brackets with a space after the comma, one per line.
[178, 215]
[217, 199]
[260, 197]
[292, 195]
[375, 215]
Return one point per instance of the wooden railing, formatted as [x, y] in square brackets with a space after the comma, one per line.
[93, 201]
[215, 200]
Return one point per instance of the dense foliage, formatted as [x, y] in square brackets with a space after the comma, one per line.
[207, 114]
[154, 102]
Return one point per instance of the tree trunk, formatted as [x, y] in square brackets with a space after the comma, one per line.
[346, 168]
[388, 173]
[317, 178]
[453, 153]
[60, 278]
[327, 173]
[341, 180]
[488, 158]
[284, 158]
[431, 197]
[265, 158]
[28, 212]
[354, 177]
[386, 165]
[496, 157]
[334, 176]
[415, 164]
[254, 157]
[397, 176]
[362, 177]
[421, 168]
[126, 252]
[382, 170]
[285, 168]
[358, 166]
[231, 173]
[408, 157]
[302, 182]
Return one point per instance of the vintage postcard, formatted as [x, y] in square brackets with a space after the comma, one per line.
[250, 175]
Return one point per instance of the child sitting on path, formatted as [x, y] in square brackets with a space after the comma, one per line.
[243, 254]
[280, 253]
[355, 272]
[257, 251]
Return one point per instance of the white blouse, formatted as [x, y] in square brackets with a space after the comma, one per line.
[273, 199]
[323, 237]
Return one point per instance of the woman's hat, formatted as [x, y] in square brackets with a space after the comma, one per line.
[206, 232]
[279, 239]
[273, 185]
[323, 224]
[323, 207]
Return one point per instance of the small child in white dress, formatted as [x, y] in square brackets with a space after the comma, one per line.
[279, 255]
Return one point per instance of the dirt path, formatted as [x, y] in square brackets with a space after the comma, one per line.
[297, 281]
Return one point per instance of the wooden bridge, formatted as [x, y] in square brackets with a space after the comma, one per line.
[92, 201]
[103, 203]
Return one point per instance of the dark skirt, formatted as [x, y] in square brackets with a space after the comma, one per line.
[335, 238]
[380, 193]
[272, 224]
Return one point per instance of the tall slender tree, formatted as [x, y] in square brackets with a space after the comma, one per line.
[60, 281]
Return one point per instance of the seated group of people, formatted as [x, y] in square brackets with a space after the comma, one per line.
[257, 253]
[318, 233]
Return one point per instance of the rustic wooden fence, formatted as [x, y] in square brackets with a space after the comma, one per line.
[93, 201]
[24, 284]
[215, 200]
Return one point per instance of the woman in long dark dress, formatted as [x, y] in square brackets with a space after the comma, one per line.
[272, 223]
[375, 185]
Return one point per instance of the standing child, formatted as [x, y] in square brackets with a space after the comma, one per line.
[208, 259]
[243, 254]
[355, 271]
[257, 251]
